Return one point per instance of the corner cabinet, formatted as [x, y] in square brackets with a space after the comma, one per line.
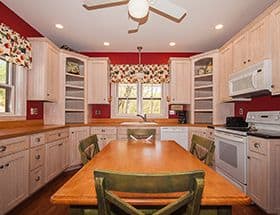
[206, 107]
[276, 52]
[98, 81]
[42, 79]
[180, 80]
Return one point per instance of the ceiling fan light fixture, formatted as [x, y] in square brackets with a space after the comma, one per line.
[138, 9]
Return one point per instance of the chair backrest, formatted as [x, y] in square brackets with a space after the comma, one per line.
[141, 134]
[190, 183]
[203, 149]
[88, 147]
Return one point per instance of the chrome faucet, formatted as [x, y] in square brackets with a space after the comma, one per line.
[144, 117]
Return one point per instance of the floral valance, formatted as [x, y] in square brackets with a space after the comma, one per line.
[150, 73]
[14, 47]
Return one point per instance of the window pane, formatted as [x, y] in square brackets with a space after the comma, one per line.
[151, 90]
[127, 90]
[151, 106]
[3, 99]
[3, 72]
[127, 106]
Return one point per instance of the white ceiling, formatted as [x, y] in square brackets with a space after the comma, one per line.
[87, 30]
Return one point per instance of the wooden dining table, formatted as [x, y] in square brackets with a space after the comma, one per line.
[139, 157]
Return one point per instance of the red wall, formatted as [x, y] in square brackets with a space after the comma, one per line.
[263, 103]
[38, 110]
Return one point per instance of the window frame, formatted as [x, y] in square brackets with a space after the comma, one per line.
[114, 103]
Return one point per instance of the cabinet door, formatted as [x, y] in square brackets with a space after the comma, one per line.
[98, 82]
[53, 160]
[257, 178]
[240, 52]
[180, 85]
[76, 134]
[259, 42]
[15, 176]
[276, 52]
[225, 71]
[52, 74]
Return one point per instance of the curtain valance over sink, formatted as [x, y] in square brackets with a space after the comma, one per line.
[14, 48]
[134, 73]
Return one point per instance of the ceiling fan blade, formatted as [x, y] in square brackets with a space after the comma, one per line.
[92, 4]
[133, 25]
[168, 8]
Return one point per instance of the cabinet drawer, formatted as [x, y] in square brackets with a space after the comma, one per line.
[258, 145]
[36, 179]
[37, 140]
[37, 157]
[103, 130]
[123, 131]
[12, 145]
[57, 134]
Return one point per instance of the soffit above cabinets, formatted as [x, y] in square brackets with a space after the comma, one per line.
[86, 30]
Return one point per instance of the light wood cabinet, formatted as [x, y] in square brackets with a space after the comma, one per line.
[75, 135]
[180, 83]
[252, 46]
[224, 72]
[104, 135]
[98, 81]
[42, 79]
[263, 184]
[276, 52]
[14, 173]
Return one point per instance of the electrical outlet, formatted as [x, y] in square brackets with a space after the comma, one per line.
[97, 112]
[241, 111]
[33, 111]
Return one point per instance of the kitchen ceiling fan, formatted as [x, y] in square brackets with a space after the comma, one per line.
[139, 9]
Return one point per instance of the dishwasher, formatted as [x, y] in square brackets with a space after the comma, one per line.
[178, 134]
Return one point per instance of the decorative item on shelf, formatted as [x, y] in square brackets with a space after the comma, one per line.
[201, 71]
[168, 99]
[65, 47]
[209, 68]
[73, 68]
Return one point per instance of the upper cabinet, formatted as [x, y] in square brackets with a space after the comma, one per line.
[180, 82]
[42, 82]
[252, 46]
[98, 81]
[276, 52]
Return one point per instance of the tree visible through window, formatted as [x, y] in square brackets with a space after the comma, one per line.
[6, 87]
[139, 98]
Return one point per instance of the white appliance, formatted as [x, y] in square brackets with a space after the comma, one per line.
[178, 134]
[253, 80]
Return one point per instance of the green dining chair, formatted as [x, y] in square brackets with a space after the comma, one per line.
[191, 185]
[88, 147]
[141, 134]
[203, 149]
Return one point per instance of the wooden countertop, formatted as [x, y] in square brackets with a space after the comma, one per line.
[164, 156]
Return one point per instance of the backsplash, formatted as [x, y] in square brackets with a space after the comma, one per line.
[34, 110]
[101, 111]
[262, 103]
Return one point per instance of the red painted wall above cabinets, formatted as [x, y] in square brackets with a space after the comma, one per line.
[35, 110]
[262, 103]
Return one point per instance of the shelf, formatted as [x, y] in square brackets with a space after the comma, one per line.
[204, 87]
[203, 110]
[203, 98]
[74, 86]
[203, 76]
[73, 75]
[74, 110]
[74, 98]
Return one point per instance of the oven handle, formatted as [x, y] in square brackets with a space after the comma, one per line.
[229, 137]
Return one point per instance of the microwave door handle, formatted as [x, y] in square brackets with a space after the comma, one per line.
[229, 137]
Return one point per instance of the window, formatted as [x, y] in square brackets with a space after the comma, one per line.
[6, 87]
[138, 98]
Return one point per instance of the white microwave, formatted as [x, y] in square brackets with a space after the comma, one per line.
[252, 80]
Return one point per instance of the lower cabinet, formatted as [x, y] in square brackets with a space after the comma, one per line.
[201, 131]
[14, 171]
[76, 134]
[104, 135]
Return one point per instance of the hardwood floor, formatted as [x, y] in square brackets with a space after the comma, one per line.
[39, 203]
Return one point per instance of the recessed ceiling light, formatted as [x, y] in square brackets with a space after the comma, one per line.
[59, 26]
[106, 43]
[172, 43]
[219, 26]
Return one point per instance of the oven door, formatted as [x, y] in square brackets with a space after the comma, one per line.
[231, 155]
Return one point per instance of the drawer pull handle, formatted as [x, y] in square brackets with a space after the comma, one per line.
[37, 178]
[257, 145]
[37, 157]
[59, 134]
[103, 130]
[2, 167]
[60, 144]
[249, 157]
[38, 139]
[3, 148]
[7, 164]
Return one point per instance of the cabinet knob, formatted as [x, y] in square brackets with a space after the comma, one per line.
[60, 144]
[272, 86]
[38, 139]
[257, 145]
[7, 164]
[3, 148]
[37, 157]
[59, 134]
[2, 167]
[248, 157]
[37, 178]
[48, 94]
[249, 60]
[244, 62]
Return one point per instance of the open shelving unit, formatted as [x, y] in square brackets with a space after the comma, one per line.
[74, 91]
[203, 90]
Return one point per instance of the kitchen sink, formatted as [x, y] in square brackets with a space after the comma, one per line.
[138, 123]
